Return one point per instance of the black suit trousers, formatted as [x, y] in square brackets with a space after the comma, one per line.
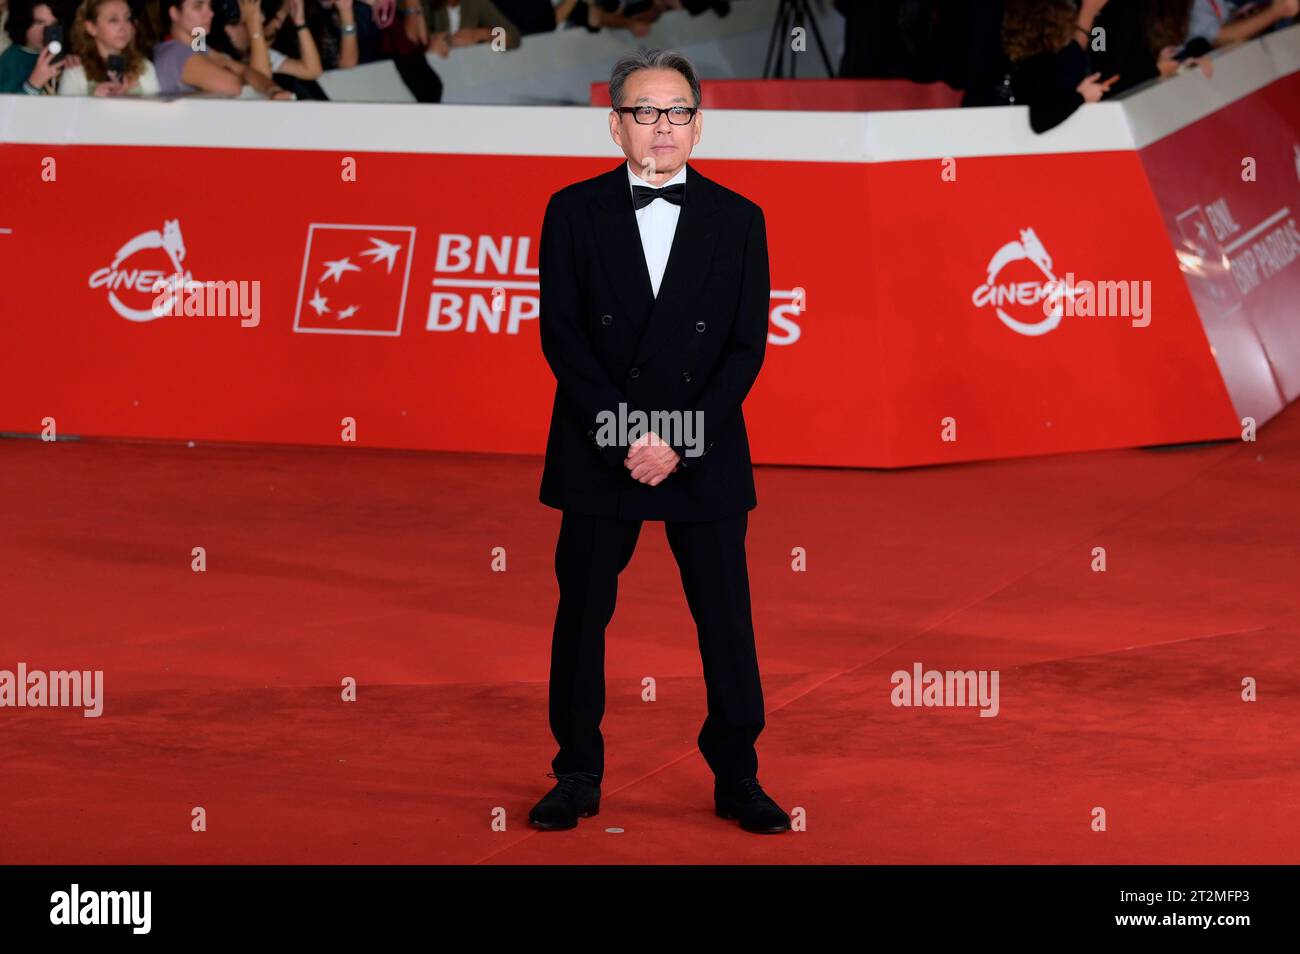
[589, 556]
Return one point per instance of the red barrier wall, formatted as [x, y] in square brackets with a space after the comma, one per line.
[922, 337]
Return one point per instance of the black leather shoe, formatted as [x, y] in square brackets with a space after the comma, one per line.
[576, 795]
[746, 800]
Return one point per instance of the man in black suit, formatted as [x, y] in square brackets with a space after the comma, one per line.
[654, 302]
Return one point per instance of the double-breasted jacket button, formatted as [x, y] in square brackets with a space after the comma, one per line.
[686, 376]
[699, 326]
[634, 373]
[606, 319]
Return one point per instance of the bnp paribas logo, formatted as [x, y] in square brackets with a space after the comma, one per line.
[354, 279]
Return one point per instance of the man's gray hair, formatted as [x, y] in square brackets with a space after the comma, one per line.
[650, 60]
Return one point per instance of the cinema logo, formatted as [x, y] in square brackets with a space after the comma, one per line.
[135, 270]
[39, 688]
[946, 688]
[1051, 297]
[1001, 295]
[679, 428]
[76, 907]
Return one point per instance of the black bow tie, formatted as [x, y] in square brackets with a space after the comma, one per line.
[644, 195]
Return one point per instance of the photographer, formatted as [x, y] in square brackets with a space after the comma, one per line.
[103, 36]
[35, 59]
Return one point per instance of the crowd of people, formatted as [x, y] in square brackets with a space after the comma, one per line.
[1051, 55]
[277, 48]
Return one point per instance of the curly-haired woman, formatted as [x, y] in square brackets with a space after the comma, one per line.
[1049, 69]
[103, 36]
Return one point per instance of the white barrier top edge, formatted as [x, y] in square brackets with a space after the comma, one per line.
[1162, 108]
[774, 135]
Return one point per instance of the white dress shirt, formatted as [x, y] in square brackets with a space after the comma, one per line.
[657, 223]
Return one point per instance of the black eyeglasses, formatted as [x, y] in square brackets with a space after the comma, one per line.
[649, 115]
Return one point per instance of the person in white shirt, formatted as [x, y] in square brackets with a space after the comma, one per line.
[109, 63]
[657, 223]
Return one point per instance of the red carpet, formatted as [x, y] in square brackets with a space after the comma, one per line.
[1119, 689]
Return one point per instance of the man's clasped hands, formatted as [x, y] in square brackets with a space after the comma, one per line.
[651, 459]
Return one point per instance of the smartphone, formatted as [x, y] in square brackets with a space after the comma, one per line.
[53, 33]
[1196, 46]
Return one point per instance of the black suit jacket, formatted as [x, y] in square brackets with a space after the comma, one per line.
[697, 346]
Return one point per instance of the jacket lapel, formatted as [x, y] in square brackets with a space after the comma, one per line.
[619, 241]
[689, 259]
